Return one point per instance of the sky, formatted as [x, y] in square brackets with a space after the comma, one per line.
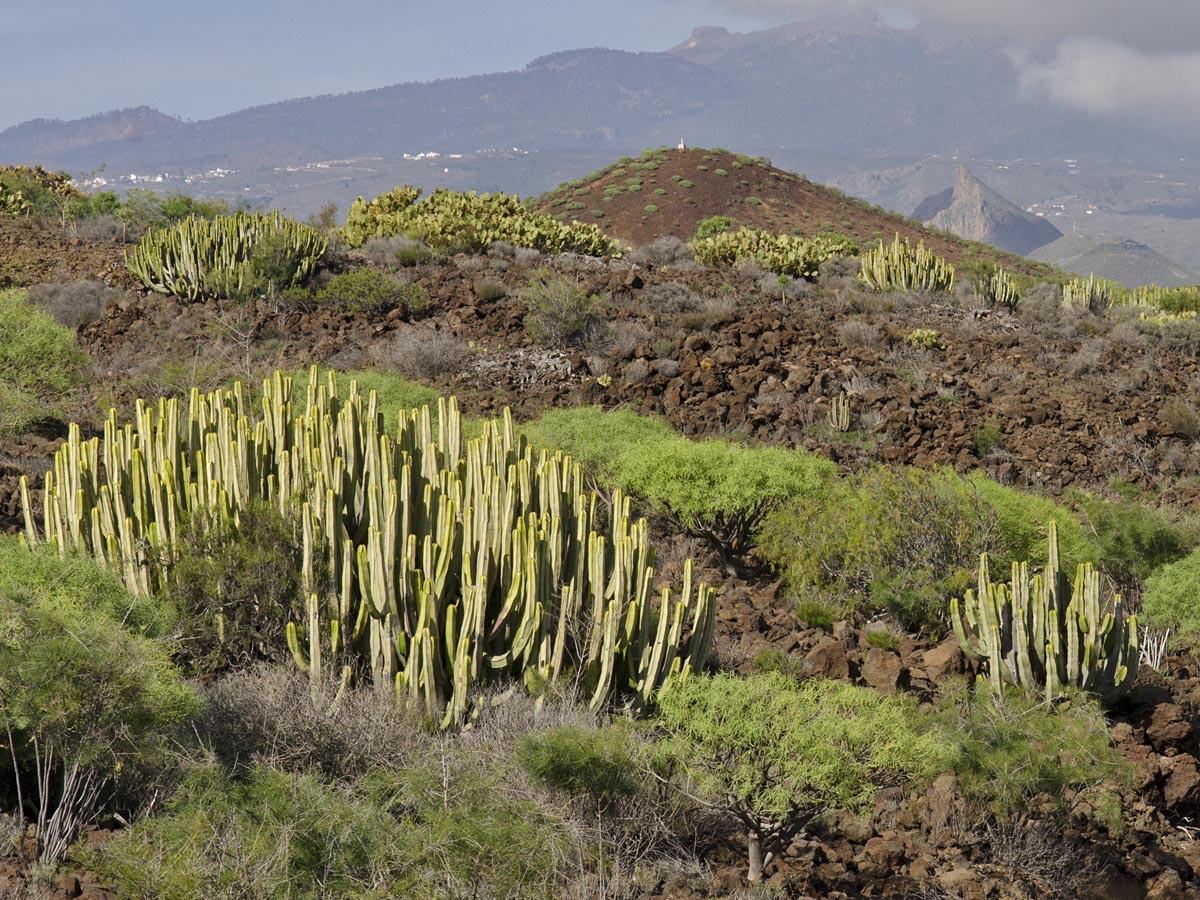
[73, 58]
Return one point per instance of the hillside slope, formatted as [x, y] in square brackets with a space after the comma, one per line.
[1130, 262]
[669, 192]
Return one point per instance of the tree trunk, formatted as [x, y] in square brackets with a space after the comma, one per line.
[755, 852]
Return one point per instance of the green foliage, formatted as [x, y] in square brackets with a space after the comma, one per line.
[85, 690]
[240, 256]
[597, 439]
[1133, 540]
[1171, 598]
[235, 592]
[424, 832]
[561, 313]
[816, 613]
[891, 540]
[40, 363]
[148, 209]
[775, 752]
[1021, 526]
[713, 226]
[361, 291]
[782, 254]
[900, 266]
[721, 491]
[1012, 748]
[596, 763]
[34, 191]
[452, 222]
[929, 338]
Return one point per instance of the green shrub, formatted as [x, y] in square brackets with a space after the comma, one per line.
[594, 762]
[775, 753]
[1021, 526]
[40, 364]
[361, 291]
[650, 208]
[236, 592]
[891, 540]
[1133, 540]
[561, 313]
[89, 695]
[1012, 748]
[713, 225]
[719, 491]
[1171, 598]
[816, 613]
[597, 439]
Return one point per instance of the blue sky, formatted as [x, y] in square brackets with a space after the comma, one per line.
[199, 60]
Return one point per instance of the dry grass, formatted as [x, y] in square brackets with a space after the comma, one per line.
[421, 353]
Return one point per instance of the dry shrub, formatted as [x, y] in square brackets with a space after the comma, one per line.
[489, 288]
[1182, 417]
[270, 717]
[1088, 358]
[421, 353]
[711, 312]
[857, 333]
[73, 303]
[1037, 852]
[669, 297]
[663, 251]
[470, 263]
[108, 230]
[626, 335]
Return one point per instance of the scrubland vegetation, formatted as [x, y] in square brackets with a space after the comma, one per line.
[293, 632]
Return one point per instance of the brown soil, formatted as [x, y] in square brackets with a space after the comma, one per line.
[688, 186]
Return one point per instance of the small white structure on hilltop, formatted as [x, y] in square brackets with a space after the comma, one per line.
[681, 146]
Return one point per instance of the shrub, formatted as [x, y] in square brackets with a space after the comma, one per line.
[719, 491]
[561, 313]
[236, 592]
[1021, 526]
[75, 303]
[776, 753]
[1012, 748]
[40, 364]
[712, 226]
[597, 763]
[929, 338]
[597, 439]
[1170, 597]
[782, 254]
[361, 291]
[663, 251]
[1132, 540]
[489, 289]
[422, 353]
[89, 696]
[650, 208]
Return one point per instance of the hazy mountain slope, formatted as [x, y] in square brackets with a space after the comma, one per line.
[1127, 261]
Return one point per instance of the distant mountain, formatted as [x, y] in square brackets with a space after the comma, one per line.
[1129, 262]
[813, 97]
[972, 210]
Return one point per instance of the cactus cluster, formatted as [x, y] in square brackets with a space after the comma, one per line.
[1043, 633]
[838, 414]
[226, 256]
[1094, 294]
[997, 290]
[783, 254]
[900, 266]
[435, 564]
[468, 222]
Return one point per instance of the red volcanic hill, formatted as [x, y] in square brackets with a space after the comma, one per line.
[670, 191]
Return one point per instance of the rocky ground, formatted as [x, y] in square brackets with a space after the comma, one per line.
[1047, 398]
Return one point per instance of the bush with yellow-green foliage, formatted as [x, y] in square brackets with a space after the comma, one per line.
[454, 221]
[41, 364]
[783, 254]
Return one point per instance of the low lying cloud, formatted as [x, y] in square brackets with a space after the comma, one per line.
[1148, 25]
[1104, 77]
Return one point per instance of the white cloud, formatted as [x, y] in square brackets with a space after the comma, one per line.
[1103, 77]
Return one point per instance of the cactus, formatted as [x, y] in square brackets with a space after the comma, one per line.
[457, 221]
[1095, 294]
[783, 254]
[998, 290]
[839, 413]
[899, 266]
[197, 259]
[450, 564]
[1042, 633]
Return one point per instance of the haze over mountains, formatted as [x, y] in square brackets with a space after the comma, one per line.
[858, 104]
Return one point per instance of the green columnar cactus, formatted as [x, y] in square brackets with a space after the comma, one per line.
[839, 413]
[196, 259]
[1042, 633]
[447, 563]
[1095, 294]
[998, 290]
[899, 266]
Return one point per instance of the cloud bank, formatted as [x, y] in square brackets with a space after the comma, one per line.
[1100, 56]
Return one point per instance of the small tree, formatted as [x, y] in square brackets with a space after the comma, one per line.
[775, 753]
